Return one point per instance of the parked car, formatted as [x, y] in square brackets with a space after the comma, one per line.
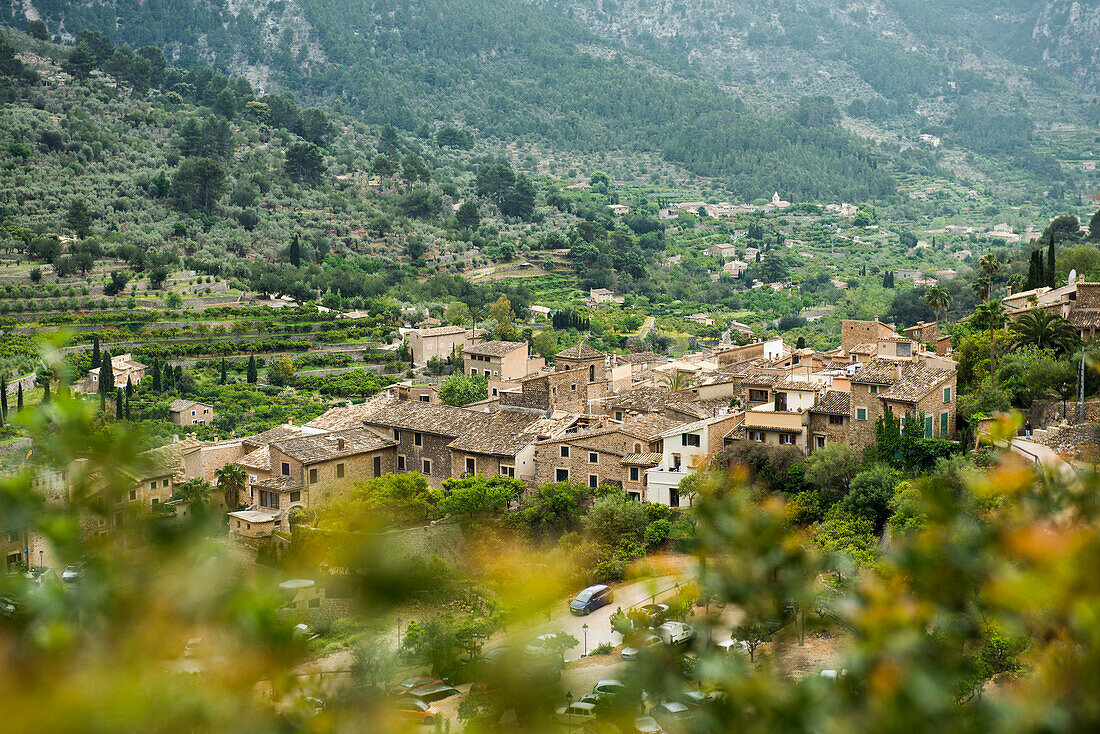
[733, 647]
[647, 725]
[576, 714]
[415, 682]
[638, 646]
[496, 654]
[415, 710]
[72, 573]
[675, 633]
[591, 599]
[8, 607]
[835, 674]
[609, 687]
[303, 633]
[672, 715]
[655, 613]
[432, 692]
[541, 646]
[484, 688]
[693, 698]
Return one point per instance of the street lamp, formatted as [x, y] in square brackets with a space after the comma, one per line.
[584, 627]
[1065, 394]
[568, 713]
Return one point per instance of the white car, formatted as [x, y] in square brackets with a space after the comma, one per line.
[576, 714]
[731, 647]
[638, 646]
[541, 645]
[675, 633]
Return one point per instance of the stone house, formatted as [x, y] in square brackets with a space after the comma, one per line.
[423, 433]
[442, 342]
[908, 388]
[501, 444]
[311, 470]
[498, 360]
[830, 419]
[615, 454]
[190, 413]
[854, 332]
[685, 450]
[124, 367]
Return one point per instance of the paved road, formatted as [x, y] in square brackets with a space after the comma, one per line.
[647, 327]
[1044, 456]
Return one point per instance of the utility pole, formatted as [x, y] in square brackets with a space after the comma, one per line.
[1081, 393]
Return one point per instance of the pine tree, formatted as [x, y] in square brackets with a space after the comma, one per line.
[118, 404]
[19, 397]
[95, 349]
[1050, 262]
[156, 374]
[251, 376]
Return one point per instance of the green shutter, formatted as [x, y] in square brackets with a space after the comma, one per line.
[861, 414]
[947, 395]
[943, 425]
[928, 426]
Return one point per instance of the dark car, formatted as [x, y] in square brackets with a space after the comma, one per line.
[590, 600]
[672, 716]
[432, 692]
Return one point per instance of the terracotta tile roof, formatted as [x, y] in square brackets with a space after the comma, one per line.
[867, 349]
[328, 446]
[178, 405]
[438, 331]
[348, 416]
[1085, 318]
[833, 402]
[639, 357]
[494, 349]
[916, 381]
[413, 415]
[580, 352]
[792, 384]
[502, 433]
[260, 459]
[274, 434]
[641, 460]
[649, 399]
[878, 372]
[278, 483]
[760, 379]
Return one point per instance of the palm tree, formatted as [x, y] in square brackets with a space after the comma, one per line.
[1046, 331]
[196, 492]
[231, 481]
[937, 298]
[675, 380]
[992, 311]
[989, 266]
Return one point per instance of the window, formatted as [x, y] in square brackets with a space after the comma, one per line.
[565, 452]
[508, 471]
[928, 426]
[396, 435]
[593, 481]
[471, 466]
[313, 476]
[633, 473]
[561, 475]
[758, 396]
[425, 398]
[400, 463]
[418, 439]
[573, 387]
[593, 457]
[591, 373]
[427, 466]
[153, 484]
[874, 389]
[637, 448]
[689, 439]
[133, 494]
[286, 469]
[155, 501]
[905, 349]
[673, 497]
[836, 420]
[296, 496]
[165, 483]
[269, 499]
[339, 471]
[947, 395]
[945, 418]
[756, 436]
[861, 414]
[377, 466]
[819, 442]
[618, 415]
[786, 439]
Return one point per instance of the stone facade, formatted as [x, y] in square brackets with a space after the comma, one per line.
[440, 342]
[854, 333]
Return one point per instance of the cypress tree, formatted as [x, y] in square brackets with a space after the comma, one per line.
[19, 397]
[129, 388]
[1050, 261]
[295, 252]
[156, 374]
[167, 376]
[3, 399]
[46, 391]
[177, 376]
[118, 404]
[95, 349]
[223, 375]
[127, 408]
[251, 377]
